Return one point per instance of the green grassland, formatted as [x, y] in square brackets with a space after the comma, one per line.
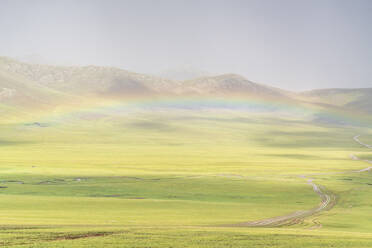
[175, 179]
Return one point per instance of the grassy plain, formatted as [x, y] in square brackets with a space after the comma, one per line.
[155, 179]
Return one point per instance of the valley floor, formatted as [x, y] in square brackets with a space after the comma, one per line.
[184, 180]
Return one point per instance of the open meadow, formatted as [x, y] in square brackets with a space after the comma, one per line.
[181, 179]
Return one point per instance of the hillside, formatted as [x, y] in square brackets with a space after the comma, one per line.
[231, 84]
[86, 80]
[350, 99]
[44, 85]
[109, 81]
[16, 90]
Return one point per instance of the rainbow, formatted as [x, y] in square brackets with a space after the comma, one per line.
[105, 107]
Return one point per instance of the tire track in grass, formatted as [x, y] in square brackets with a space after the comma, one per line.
[327, 201]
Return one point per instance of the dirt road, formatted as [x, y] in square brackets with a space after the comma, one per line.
[327, 201]
[356, 138]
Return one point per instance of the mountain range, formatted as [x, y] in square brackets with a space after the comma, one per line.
[27, 85]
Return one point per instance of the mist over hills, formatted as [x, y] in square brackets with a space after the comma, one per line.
[30, 84]
[357, 99]
[183, 73]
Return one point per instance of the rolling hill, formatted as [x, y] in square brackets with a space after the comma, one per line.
[351, 99]
[32, 84]
[109, 81]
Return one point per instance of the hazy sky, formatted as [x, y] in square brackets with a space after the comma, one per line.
[293, 44]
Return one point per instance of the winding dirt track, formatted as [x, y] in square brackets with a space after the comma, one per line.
[327, 201]
[356, 138]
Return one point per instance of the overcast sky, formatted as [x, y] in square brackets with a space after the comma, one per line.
[293, 44]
